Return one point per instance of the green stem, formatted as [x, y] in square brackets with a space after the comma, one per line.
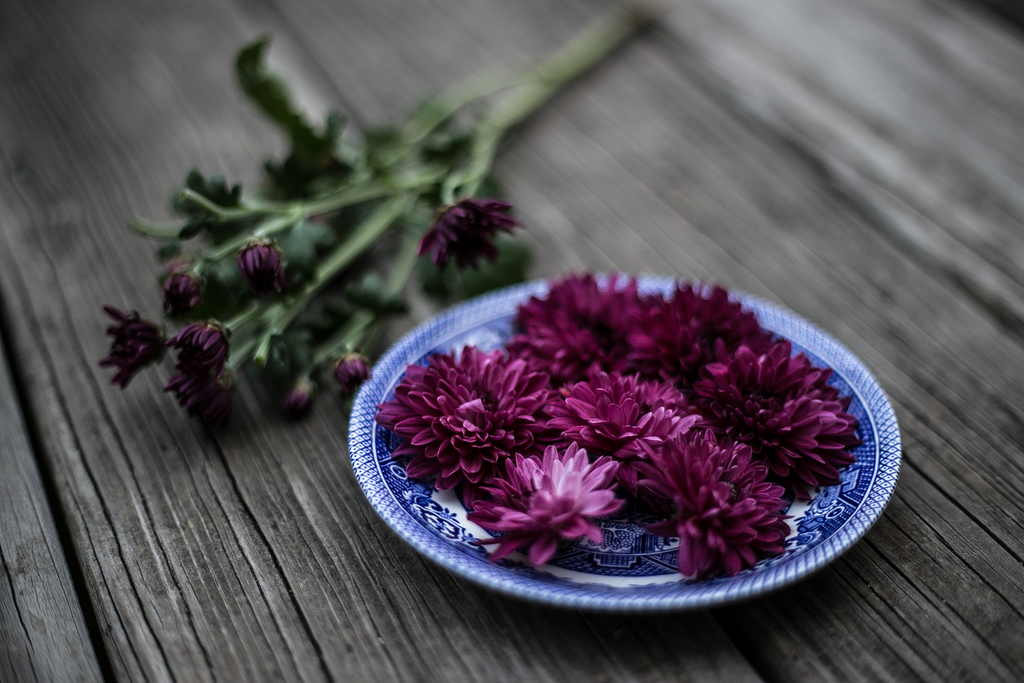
[364, 235]
[360, 330]
[349, 196]
[269, 227]
[166, 231]
[404, 265]
[548, 76]
[221, 212]
[439, 109]
[361, 239]
[245, 316]
[344, 340]
[240, 353]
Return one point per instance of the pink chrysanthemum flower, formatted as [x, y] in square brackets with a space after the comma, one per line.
[463, 417]
[578, 328]
[620, 416]
[543, 502]
[724, 512]
[678, 336]
[781, 406]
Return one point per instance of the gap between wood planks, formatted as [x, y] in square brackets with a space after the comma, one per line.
[58, 639]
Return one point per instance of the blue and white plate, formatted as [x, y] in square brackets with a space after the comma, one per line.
[630, 569]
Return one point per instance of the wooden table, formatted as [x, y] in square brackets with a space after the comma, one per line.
[861, 162]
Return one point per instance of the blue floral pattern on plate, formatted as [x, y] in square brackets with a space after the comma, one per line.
[630, 569]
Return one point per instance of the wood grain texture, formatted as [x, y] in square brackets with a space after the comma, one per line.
[648, 166]
[250, 554]
[1011, 10]
[43, 636]
[912, 108]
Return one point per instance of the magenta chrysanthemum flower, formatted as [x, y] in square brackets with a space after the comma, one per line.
[781, 406]
[136, 343]
[183, 290]
[578, 328]
[351, 370]
[622, 417]
[465, 232]
[260, 263]
[679, 335]
[202, 347]
[724, 512]
[541, 502]
[463, 417]
[206, 395]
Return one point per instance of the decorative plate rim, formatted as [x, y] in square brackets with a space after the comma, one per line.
[699, 595]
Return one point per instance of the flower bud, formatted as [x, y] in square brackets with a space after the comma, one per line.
[202, 347]
[299, 399]
[136, 343]
[351, 370]
[183, 290]
[205, 395]
[260, 263]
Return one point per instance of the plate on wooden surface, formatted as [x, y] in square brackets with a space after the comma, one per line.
[630, 570]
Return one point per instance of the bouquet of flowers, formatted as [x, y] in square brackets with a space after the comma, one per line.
[302, 275]
[680, 406]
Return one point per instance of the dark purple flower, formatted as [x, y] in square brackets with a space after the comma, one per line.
[781, 406]
[544, 502]
[724, 512]
[580, 327]
[622, 417]
[463, 417]
[260, 263]
[298, 400]
[202, 347]
[465, 231]
[351, 370]
[205, 395]
[678, 336]
[183, 289]
[136, 343]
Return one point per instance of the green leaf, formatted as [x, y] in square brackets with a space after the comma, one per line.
[168, 250]
[195, 226]
[369, 294]
[312, 164]
[215, 189]
[268, 92]
[290, 354]
[509, 269]
[299, 248]
[384, 148]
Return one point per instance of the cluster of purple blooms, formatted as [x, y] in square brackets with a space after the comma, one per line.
[462, 232]
[202, 384]
[682, 403]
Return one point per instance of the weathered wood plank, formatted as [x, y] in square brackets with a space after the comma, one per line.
[43, 635]
[661, 176]
[912, 108]
[252, 555]
[679, 185]
[1012, 10]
